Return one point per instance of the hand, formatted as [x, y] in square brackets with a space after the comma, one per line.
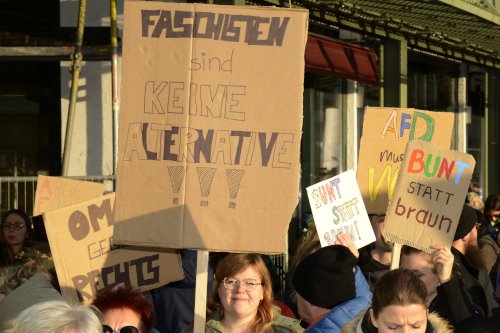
[442, 259]
[346, 240]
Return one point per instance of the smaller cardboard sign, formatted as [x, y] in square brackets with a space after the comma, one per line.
[428, 196]
[338, 207]
[86, 259]
[57, 192]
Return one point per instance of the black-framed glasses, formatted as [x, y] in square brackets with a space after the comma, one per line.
[16, 225]
[247, 284]
[124, 329]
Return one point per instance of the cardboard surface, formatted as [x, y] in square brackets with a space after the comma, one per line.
[337, 207]
[81, 242]
[210, 126]
[386, 131]
[429, 196]
[57, 192]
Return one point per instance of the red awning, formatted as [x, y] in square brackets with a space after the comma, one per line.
[328, 56]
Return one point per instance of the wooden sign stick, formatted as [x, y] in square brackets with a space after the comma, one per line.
[396, 254]
[200, 300]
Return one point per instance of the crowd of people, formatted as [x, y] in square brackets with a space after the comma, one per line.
[337, 288]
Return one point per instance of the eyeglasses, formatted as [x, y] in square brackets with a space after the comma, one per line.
[247, 284]
[124, 329]
[16, 225]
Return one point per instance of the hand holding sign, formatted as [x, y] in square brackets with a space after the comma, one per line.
[346, 240]
[442, 259]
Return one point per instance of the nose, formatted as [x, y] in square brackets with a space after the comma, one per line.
[239, 288]
[405, 329]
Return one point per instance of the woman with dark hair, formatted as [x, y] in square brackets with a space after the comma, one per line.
[398, 305]
[125, 310]
[446, 294]
[242, 298]
[15, 234]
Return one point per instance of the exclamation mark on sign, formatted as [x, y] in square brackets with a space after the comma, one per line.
[234, 177]
[206, 177]
[357, 230]
[176, 178]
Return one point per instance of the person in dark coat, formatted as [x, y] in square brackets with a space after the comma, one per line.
[375, 259]
[470, 269]
[174, 302]
[446, 294]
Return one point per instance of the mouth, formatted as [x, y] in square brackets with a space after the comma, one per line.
[240, 299]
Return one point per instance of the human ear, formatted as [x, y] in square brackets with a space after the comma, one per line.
[372, 318]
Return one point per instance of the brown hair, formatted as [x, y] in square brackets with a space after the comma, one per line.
[398, 287]
[408, 250]
[29, 231]
[122, 297]
[309, 243]
[234, 263]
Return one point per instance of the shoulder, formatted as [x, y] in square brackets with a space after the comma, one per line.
[439, 325]
[339, 316]
[212, 325]
[354, 326]
[285, 324]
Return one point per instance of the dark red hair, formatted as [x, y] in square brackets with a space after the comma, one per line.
[122, 297]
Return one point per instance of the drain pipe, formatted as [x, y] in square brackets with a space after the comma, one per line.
[76, 66]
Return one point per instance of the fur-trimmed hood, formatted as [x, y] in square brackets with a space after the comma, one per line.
[438, 324]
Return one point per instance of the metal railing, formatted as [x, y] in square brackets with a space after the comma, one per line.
[19, 192]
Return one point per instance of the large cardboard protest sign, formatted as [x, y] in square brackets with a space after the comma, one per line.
[210, 125]
[386, 131]
[337, 207]
[56, 192]
[429, 196]
[86, 259]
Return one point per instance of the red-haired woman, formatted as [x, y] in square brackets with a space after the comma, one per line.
[242, 299]
[125, 310]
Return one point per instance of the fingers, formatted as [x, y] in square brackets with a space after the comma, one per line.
[346, 240]
[442, 259]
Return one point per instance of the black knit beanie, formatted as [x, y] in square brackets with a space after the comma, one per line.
[467, 221]
[325, 278]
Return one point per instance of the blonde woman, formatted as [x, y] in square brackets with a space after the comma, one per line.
[242, 299]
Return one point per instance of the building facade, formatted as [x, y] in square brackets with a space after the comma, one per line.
[438, 55]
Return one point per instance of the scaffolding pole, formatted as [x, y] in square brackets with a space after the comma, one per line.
[75, 70]
[115, 85]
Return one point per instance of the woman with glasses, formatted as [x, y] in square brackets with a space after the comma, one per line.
[15, 233]
[125, 310]
[242, 298]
